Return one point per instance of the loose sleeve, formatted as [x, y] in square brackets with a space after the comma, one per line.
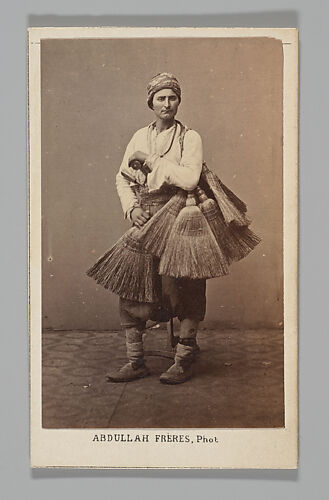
[186, 174]
[127, 196]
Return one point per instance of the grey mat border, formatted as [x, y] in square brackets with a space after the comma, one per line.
[275, 19]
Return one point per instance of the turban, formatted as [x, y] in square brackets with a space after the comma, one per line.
[162, 81]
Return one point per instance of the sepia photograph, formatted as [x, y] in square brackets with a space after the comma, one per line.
[157, 191]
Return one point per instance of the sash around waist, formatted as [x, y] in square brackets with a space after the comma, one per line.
[154, 198]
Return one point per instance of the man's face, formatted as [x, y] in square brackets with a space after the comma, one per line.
[165, 104]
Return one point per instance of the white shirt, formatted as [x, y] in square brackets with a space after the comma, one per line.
[175, 168]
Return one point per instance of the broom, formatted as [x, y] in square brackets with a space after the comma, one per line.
[241, 241]
[235, 241]
[155, 232]
[192, 250]
[232, 208]
[127, 269]
[212, 213]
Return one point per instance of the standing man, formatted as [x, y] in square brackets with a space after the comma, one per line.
[172, 154]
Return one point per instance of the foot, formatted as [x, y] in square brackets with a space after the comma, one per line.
[127, 373]
[176, 374]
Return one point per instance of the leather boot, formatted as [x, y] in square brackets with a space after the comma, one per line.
[181, 370]
[135, 368]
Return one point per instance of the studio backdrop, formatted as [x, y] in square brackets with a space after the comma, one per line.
[93, 98]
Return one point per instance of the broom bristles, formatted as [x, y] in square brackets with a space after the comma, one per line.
[216, 222]
[235, 241]
[192, 251]
[127, 270]
[228, 208]
[154, 235]
[241, 241]
[240, 205]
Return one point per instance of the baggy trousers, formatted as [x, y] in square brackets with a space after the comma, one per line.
[183, 298]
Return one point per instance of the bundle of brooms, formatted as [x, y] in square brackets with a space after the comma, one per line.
[182, 239]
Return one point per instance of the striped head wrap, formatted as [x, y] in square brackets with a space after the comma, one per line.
[162, 81]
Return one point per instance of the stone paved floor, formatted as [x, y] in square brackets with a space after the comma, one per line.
[238, 382]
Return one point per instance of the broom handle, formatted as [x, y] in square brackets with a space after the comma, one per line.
[190, 200]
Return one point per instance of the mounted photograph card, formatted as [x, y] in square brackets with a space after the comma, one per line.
[163, 229]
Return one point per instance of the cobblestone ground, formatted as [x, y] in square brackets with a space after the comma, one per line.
[238, 382]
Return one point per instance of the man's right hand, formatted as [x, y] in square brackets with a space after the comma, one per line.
[139, 217]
